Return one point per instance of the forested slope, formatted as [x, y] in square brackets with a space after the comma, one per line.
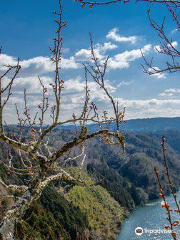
[113, 184]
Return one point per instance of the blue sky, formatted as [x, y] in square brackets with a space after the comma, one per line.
[119, 30]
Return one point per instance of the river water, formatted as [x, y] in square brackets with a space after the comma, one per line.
[148, 217]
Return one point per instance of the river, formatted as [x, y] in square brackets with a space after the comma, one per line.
[148, 217]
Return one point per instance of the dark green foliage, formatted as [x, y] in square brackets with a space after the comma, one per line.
[172, 138]
[113, 182]
[135, 167]
[64, 212]
[129, 179]
[52, 217]
[104, 214]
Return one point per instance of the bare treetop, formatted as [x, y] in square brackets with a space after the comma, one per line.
[168, 45]
[101, 3]
[38, 163]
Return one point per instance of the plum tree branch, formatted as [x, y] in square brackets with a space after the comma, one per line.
[14, 188]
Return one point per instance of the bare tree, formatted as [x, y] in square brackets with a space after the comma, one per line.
[168, 46]
[170, 216]
[103, 2]
[38, 164]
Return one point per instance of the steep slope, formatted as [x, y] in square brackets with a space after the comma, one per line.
[52, 217]
[71, 211]
[119, 188]
[116, 182]
[104, 214]
[172, 138]
[135, 168]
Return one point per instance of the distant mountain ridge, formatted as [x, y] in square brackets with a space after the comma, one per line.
[152, 124]
[147, 125]
[140, 125]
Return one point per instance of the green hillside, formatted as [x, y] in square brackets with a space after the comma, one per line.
[66, 211]
[104, 214]
[113, 184]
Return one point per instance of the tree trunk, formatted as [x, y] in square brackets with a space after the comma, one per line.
[14, 215]
[7, 229]
[18, 210]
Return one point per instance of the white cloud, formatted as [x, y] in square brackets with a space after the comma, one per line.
[7, 60]
[85, 55]
[174, 44]
[124, 83]
[151, 108]
[174, 31]
[69, 63]
[44, 64]
[117, 61]
[159, 75]
[172, 92]
[31, 84]
[138, 108]
[114, 64]
[123, 60]
[158, 48]
[37, 65]
[114, 35]
[132, 55]
[106, 46]
[74, 95]
[76, 88]
[75, 85]
[165, 94]
[99, 50]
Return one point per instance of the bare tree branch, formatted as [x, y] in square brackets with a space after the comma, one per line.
[101, 3]
[168, 46]
[14, 188]
[37, 161]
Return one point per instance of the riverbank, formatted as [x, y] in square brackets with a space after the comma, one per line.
[149, 217]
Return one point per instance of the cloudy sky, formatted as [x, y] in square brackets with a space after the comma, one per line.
[119, 31]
